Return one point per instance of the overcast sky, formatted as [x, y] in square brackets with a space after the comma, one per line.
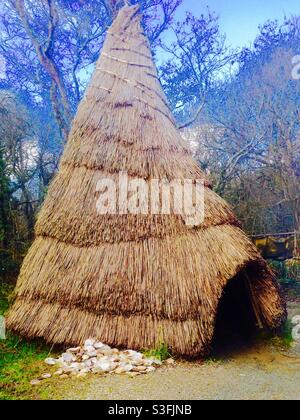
[240, 19]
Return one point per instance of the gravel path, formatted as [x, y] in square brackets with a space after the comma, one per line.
[261, 372]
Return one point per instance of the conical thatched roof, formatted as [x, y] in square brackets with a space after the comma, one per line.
[132, 280]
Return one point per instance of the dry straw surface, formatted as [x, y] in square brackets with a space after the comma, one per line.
[131, 280]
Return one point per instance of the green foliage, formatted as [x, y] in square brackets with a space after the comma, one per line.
[293, 269]
[8, 266]
[285, 337]
[288, 275]
[213, 361]
[4, 200]
[5, 296]
[20, 361]
[161, 352]
[287, 334]
[288, 272]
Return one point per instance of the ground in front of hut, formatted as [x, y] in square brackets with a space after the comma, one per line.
[266, 371]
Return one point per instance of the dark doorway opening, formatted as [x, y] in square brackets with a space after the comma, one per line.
[236, 324]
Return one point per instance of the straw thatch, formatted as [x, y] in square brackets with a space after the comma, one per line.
[132, 280]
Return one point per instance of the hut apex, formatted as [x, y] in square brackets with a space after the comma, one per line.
[136, 279]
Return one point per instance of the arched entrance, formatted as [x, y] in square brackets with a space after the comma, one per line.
[237, 320]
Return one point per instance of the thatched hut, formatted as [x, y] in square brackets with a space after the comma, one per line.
[132, 280]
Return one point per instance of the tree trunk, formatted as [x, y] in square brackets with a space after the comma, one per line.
[46, 60]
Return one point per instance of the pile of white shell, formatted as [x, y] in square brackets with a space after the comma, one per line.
[98, 358]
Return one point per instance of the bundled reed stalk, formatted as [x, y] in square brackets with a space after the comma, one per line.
[132, 280]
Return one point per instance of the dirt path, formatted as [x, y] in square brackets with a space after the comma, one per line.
[261, 372]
